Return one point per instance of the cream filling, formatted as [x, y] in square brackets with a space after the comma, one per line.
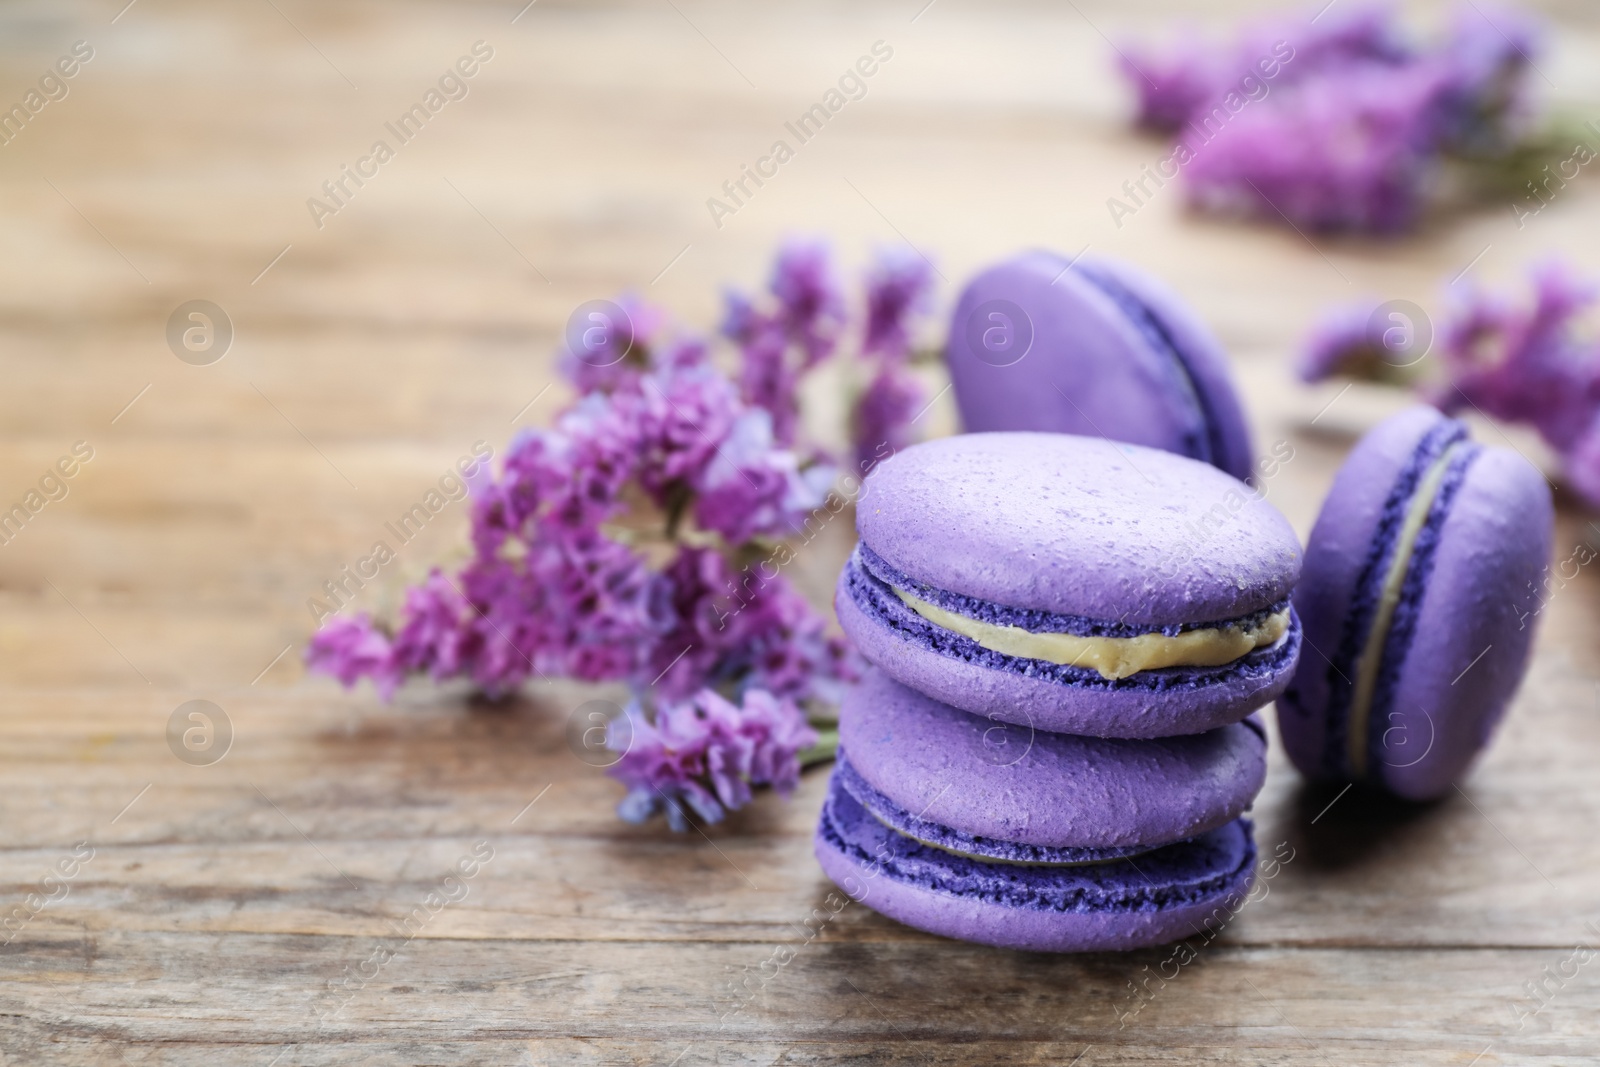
[1113, 657]
[1371, 657]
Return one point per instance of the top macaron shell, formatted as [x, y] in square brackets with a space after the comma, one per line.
[1079, 526]
[1109, 539]
[1112, 352]
[1012, 783]
[1474, 619]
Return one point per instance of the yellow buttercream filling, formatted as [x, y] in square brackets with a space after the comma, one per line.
[1371, 658]
[1113, 657]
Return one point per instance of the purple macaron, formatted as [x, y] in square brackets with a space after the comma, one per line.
[1094, 347]
[1073, 584]
[992, 788]
[996, 833]
[1419, 597]
[1165, 894]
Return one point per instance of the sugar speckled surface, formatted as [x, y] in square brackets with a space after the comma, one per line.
[1015, 783]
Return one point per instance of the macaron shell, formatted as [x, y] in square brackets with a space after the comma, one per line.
[1475, 627]
[1341, 541]
[1193, 888]
[1080, 526]
[1089, 369]
[1203, 356]
[1190, 703]
[1017, 783]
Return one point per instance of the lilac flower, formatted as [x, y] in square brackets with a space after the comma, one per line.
[433, 638]
[899, 285]
[682, 418]
[800, 331]
[1532, 366]
[1485, 106]
[1345, 153]
[742, 631]
[602, 547]
[881, 420]
[1171, 83]
[352, 649]
[811, 304]
[618, 351]
[753, 488]
[1177, 83]
[1581, 462]
[1338, 123]
[1340, 346]
[704, 754]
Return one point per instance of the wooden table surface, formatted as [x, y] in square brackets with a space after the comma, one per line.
[227, 913]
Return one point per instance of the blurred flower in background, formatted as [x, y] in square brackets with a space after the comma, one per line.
[641, 538]
[1341, 121]
[1537, 364]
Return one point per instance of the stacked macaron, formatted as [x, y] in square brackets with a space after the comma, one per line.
[1056, 751]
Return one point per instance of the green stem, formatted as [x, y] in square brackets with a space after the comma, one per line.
[821, 752]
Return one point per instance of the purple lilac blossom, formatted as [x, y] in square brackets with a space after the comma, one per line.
[351, 649]
[881, 423]
[1527, 366]
[800, 331]
[1178, 82]
[705, 753]
[899, 287]
[1347, 130]
[1485, 105]
[1346, 153]
[569, 576]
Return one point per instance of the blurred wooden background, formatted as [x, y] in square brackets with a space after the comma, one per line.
[228, 911]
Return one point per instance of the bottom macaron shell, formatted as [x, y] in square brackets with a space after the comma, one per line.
[1182, 702]
[1173, 892]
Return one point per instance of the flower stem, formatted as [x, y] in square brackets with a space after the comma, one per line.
[821, 752]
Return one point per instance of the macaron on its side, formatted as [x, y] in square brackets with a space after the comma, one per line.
[1423, 556]
[1025, 788]
[1093, 347]
[1473, 630]
[1199, 355]
[1170, 892]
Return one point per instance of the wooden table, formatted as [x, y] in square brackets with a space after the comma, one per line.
[229, 912]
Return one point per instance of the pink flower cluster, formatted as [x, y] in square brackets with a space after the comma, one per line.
[1535, 365]
[1348, 129]
[610, 547]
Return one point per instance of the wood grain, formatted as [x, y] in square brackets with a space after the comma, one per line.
[225, 907]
